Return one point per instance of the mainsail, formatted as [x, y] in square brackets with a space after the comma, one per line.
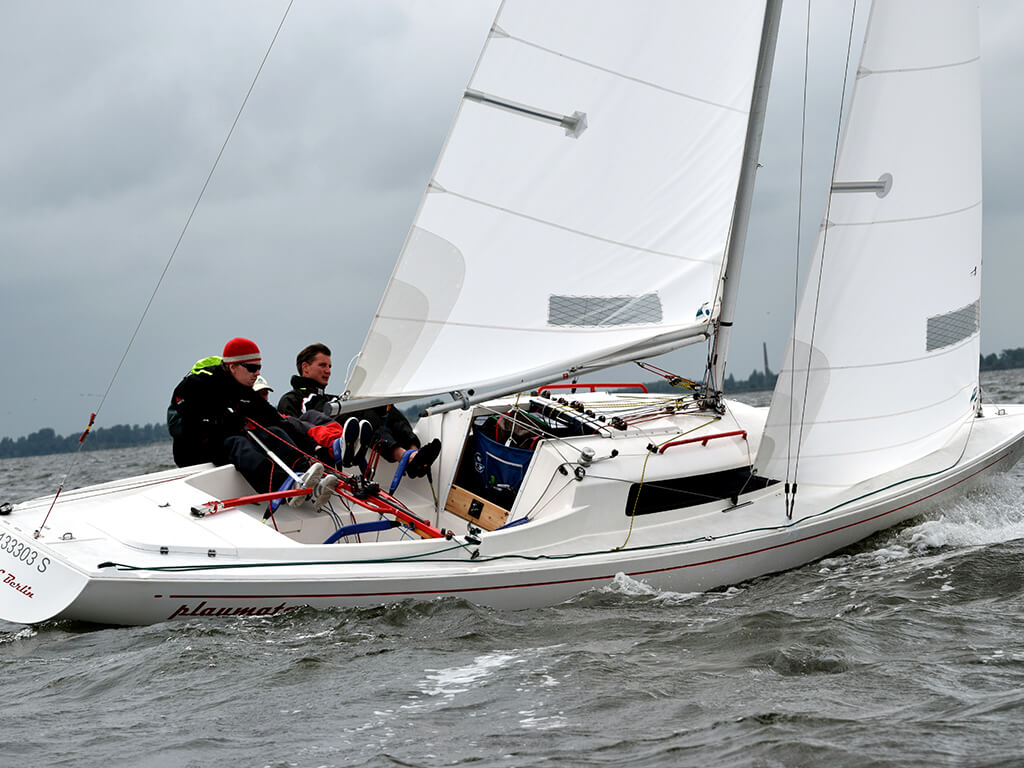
[882, 368]
[582, 202]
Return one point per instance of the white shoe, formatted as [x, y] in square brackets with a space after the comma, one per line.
[323, 491]
[309, 479]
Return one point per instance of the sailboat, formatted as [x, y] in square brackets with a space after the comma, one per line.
[589, 208]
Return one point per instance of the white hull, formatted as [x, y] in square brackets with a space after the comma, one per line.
[171, 565]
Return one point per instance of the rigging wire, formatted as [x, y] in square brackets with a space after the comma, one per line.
[572, 555]
[195, 206]
[791, 499]
[796, 268]
[673, 379]
[167, 266]
[643, 472]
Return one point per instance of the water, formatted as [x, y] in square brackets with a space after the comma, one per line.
[906, 650]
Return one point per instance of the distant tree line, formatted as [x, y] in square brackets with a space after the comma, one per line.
[762, 380]
[46, 441]
[757, 381]
[1008, 358]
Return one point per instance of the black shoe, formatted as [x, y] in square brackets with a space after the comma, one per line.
[365, 442]
[350, 436]
[423, 458]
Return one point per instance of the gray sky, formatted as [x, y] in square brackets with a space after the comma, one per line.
[114, 113]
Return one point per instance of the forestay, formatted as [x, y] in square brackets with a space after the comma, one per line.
[582, 202]
[883, 365]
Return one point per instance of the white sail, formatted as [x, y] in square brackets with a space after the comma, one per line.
[883, 366]
[582, 203]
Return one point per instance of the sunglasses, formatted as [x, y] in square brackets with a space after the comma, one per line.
[251, 367]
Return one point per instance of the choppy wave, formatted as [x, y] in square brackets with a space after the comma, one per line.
[903, 650]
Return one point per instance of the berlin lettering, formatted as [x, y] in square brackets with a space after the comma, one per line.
[13, 583]
[237, 610]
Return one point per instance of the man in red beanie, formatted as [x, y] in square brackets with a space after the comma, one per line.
[214, 409]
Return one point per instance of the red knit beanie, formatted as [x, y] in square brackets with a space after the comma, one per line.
[240, 350]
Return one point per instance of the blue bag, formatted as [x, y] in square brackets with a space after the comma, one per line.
[498, 466]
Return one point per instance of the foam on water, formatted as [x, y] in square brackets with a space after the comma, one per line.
[18, 634]
[455, 680]
[903, 650]
[626, 585]
[629, 587]
[991, 516]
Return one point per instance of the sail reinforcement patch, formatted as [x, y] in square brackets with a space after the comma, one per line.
[946, 330]
[595, 311]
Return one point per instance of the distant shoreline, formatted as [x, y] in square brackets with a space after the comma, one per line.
[1007, 360]
[46, 441]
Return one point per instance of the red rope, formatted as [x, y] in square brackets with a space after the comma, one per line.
[381, 503]
[60, 488]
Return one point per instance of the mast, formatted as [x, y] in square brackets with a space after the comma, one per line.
[744, 195]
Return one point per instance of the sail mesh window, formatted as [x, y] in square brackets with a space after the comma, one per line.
[945, 330]
[604, 310]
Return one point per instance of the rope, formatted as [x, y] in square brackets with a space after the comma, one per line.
[568, 556]
[673, 379]
[195, 206]
[131, 341]
[387, 498]
[71, 463]
[636, 502]
[791, 500]
[643, 472]
[799, 232]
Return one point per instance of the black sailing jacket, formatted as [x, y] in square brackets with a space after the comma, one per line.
[305, 395]
[208, 407]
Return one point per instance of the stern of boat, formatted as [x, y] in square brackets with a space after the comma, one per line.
[35, 584]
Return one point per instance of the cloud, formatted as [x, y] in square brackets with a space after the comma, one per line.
[115, 112]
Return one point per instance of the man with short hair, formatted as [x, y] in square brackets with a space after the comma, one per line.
[385, 427]
[314, 366]
[214, 412]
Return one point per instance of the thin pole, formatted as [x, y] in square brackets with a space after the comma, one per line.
[274, 457]
[745, 194]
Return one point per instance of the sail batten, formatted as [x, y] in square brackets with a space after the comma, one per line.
[533, 247]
